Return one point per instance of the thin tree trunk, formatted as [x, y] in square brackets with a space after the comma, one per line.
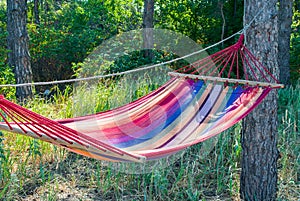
[259, 136]
[36, 12]
[235, 8]
[148, 28]
[285, 23]
[17, 40]
[297, 5]
[224, 22]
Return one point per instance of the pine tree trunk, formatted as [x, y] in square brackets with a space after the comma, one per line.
[259, 136]
[17, 40]
[148, 28]
[285, 22]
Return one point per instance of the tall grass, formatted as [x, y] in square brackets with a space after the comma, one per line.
[289, 142]
[31, 169]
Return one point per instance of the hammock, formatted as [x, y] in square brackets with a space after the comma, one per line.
[186, 110]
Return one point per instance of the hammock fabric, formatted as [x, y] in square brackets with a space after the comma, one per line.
[186, 110]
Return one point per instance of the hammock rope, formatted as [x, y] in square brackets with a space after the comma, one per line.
[125, 72]
[198, 102]
[232, 59]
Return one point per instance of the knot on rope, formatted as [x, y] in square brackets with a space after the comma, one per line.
[240, 42]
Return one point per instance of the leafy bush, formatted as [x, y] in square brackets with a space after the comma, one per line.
[6, 74]
[295, 48]
[70, 31]
[7, 77]
[200, 20]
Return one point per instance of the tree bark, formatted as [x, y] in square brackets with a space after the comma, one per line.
[285, 22]
[259, 134]
[148, 28]
[17, 40]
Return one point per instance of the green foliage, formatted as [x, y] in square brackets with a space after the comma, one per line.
[4, 162]
[289, 135]
[200, 20]
[6, 74]
[70, 31]
[136, 59]
[68, 36]
[295, 48]
[125, 14]
[7, 77]
[3, 33]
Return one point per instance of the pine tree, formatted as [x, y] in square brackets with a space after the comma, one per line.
[259, 137]
[17, 43]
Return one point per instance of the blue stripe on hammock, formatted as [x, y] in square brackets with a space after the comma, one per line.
[171, 116]
[208, 104]
[235, 94]
[215, 91]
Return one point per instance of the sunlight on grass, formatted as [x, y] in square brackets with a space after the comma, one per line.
[31, 169]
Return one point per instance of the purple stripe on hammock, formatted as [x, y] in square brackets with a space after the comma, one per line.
[203, 112]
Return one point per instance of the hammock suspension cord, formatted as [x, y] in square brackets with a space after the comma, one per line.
[231, 63]
[242, 31]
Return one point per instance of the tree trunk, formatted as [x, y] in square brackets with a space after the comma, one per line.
[148, 28]
[17, 40]
[36, 12]
[285, 22]
[235, 8]
[297, 5]
[259, 135]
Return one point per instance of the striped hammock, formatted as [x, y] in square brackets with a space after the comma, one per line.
[186, 110]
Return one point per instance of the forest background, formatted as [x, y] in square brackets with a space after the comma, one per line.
[63, 33]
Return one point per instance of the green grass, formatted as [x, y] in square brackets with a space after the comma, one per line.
[31, 169]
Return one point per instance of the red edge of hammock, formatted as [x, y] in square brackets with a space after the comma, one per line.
[57, 130]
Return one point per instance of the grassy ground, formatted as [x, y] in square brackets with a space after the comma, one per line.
[34, 170]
